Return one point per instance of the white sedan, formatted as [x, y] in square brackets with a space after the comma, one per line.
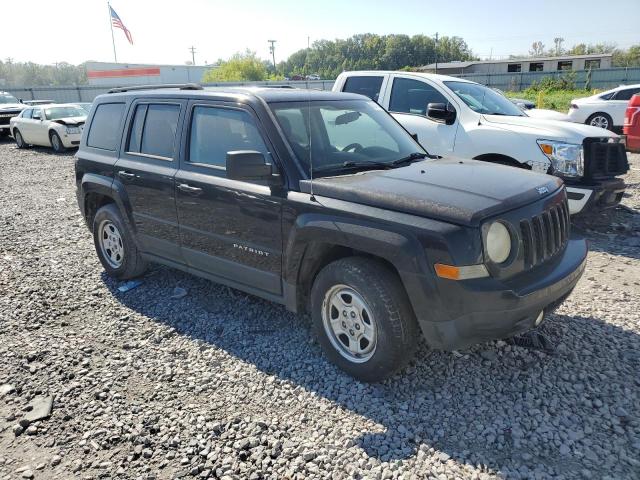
[605, 110]
[57, 125]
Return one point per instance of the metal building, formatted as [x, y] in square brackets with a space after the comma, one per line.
[119, 74]
[522, 65]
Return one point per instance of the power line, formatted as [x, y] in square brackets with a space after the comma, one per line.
[192, 49]
[272, 51]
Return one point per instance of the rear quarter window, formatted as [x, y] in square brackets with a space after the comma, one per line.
[104, 132]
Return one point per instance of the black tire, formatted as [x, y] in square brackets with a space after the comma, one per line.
[600, 119]
[391, 314]
[56, 142]
[20, 143]
[131, 263]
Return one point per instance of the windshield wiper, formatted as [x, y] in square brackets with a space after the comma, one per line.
[409, 158]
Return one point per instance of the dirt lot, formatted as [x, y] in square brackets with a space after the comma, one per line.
[218, 384]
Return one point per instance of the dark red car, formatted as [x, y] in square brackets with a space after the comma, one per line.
[632, 124]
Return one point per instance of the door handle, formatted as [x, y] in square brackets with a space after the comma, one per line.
[189, 189]
[127, 175]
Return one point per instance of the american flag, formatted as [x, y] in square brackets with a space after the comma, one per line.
[116, 22]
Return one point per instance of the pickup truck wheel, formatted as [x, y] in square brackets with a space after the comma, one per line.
[18, 138]
[363, 318]
[56, 142]
[601, 120]
[114, 244]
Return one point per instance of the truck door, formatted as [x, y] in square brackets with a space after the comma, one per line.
[229, 229]
[407, 101]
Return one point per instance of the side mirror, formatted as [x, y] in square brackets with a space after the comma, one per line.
[248, 165]
[441, 112]
[20, 100]
[414, 136]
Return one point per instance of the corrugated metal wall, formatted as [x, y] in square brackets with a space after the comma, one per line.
[601, 79]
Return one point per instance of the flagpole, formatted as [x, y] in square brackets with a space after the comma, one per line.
[113, 40]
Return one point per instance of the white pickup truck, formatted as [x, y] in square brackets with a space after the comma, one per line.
[452, 116]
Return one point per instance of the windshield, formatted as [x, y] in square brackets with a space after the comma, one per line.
[344, 134]
[53, 113]
[483, 99]
[6, 98]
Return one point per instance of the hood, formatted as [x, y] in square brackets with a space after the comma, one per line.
[548, 114]
[12, 106]
[70, 121]
[544, 128]
[463, 192]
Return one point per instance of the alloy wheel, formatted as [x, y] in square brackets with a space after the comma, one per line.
[111, 243]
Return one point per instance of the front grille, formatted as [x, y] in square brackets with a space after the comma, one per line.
[604, 159]
[546, 234]
[5, 117]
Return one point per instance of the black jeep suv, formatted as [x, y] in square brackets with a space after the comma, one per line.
[323, 202]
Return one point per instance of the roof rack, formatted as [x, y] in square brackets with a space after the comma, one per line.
[181, 86]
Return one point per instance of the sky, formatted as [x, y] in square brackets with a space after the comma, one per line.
[75, 31]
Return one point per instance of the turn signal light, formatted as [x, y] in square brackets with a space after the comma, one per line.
[546, 148]
[466, 272]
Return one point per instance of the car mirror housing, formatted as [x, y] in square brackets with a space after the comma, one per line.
[441, 112]
[249, 165]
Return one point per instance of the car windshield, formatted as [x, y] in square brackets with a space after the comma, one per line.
[53, 113]
[348, 135]
[6, 98]
[483, 99]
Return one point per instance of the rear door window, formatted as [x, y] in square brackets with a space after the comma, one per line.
[104, 132]
[413, 96]
[153, 130]
[364, 85]
[626, 94]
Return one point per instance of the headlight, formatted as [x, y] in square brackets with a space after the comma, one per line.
[73, 129]
[498, 242]
[566, 158]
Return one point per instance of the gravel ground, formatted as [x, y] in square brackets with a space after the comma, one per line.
[153, 383]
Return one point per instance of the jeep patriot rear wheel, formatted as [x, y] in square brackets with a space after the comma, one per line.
[363, 318]
[115, 246]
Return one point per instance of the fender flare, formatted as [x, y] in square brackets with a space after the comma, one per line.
[94, 183]
[400, 249]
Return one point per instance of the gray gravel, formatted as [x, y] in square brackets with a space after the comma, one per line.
[180, 377]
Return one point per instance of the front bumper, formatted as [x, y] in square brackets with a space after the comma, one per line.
[475, 311]
[600, 195]
[70, 140]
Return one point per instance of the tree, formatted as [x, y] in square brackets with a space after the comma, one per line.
[558, 42]
[240, 67]
[537, 49]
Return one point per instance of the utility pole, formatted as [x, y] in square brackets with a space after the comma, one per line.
[272, 51]
[436, 50]
[192, 49]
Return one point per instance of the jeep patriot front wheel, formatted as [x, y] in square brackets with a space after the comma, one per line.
[363, 318]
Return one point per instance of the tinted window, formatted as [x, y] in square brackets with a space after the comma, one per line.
[566, 65]
[105, 128]
[27, 113]
[135, 138]
[626, 94]
[514, 67]
[591, 64]
[216, 131]
[368, 86]
[153, 131]
[536, 67]
[412, 96]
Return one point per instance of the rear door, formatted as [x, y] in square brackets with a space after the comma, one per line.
[229, 229]
[145, 171]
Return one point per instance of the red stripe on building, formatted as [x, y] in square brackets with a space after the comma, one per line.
[125, 72]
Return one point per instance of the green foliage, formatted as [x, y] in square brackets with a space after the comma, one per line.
[369, 51]
[565, 81]
[31, 74]
[553, 99]
[240, 67]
